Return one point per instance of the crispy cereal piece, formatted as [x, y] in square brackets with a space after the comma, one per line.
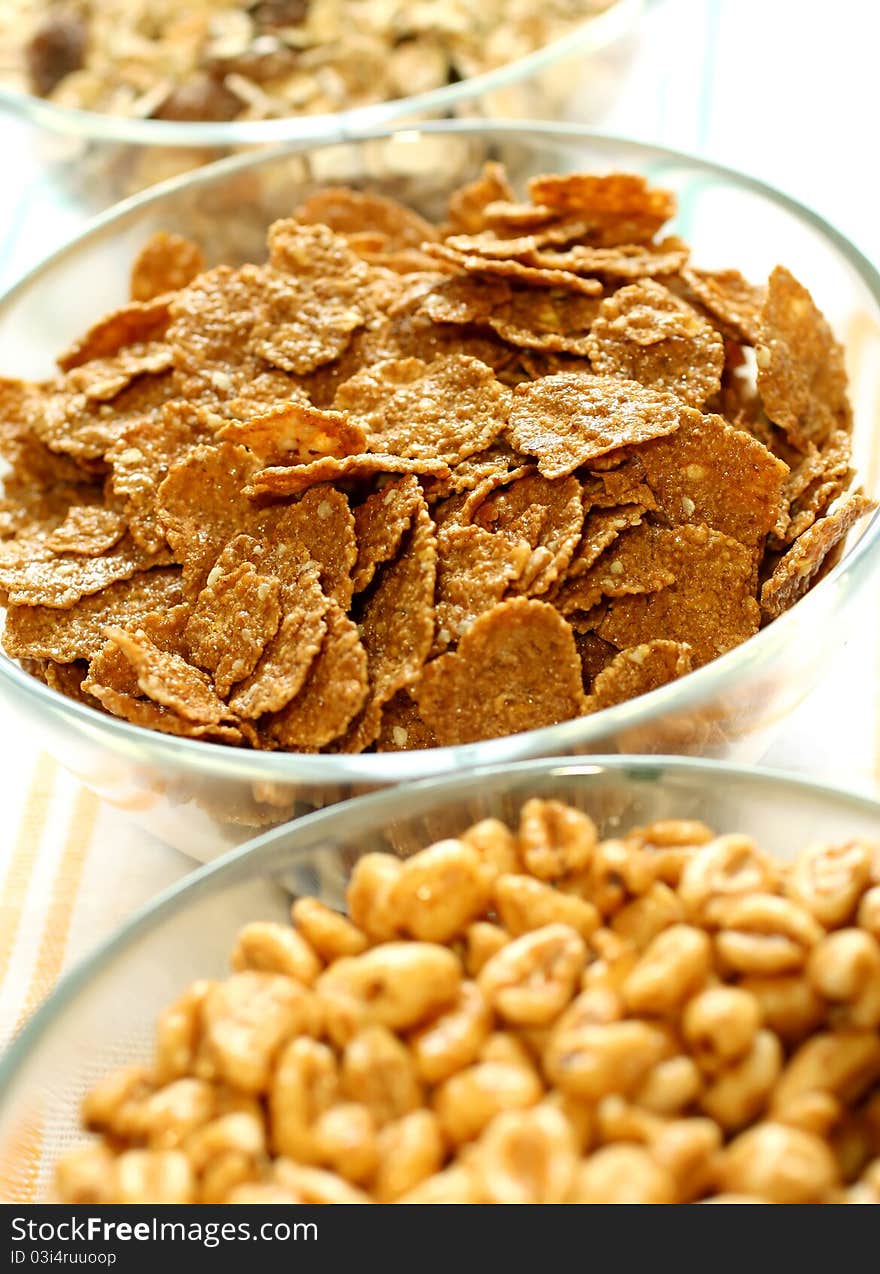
[284, 665]
[202, 505]
[110, 668]
[710, 606]
[87, 530]
[567, 420]
[516, 668]
[303, 324]
[86, 429]
[795, 572]
[638, 671]
[320, 522]
[601, 528]
[645, 333]
[624, 484]
[332, 694]
[152, 716]
[801, 374]
[620, 207]
[730, 299]
[813, 485]
[134, 324]
[397, 626]
[296, 433]
[548, 320]
[523, 247]
[635, 562]
[169, 680]
[235, 617]
[475, 569]
[349, 212]
[78, 632]
[468, 206]
[103, 379]
[61, 582]
[166, 263]
[506, 217]
[444, 410]
[291, 479]
[464, 298]
[629, 261]
[709, 472]
[514, 271]
[495, 463]
[212, 322]
[380, 524]
[548, 515]
[403, 729]
[141, 460]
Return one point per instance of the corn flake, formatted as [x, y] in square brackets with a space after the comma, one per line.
[638, 671]
[234, 618]
[733, 302]
[568, 420]
[62, 581]
[549, 516]
[645, 333]
[137, 323]
[620, 207]
[795, 572]
[169, 680]
[166, 263]
[499, 680]
[291, 479]
[380, 524]
[469, 206]
[475, 569]
[514, 270]
[87, 529]
[635, 562]
[296, 432]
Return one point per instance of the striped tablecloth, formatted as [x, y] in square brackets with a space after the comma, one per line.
[700, 77]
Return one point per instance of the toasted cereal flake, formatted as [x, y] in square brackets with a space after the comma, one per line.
[601, 528]
[315, 251]
[86, 428]
[474, 570]
[801, 374]
[636, 562]
[468, 206]
[285, 663]
[813, 484]
[212, 321]
[152, 716]
[516, 668]
[348, 212]
[103, 379]
[795, 572]
[61, 582]
[77, 633]
[137, 323]
[465, 298]
[87, 529]
[169, 680]
[548, 515]
[622, 485]
[110, 668]
[629, 261]
[397, 625]
[504, 216]
[30, 547]
[303, 323]
[291, 479]
[567, 420]
[710, 606]
[67, 680]
[141, 459]
[709, 472]
[494, 464]
[730, 299]
[489, 244]
[296, 432]
[322, 523]
[620, 207]
[380, 524]
[402, 726]
[645, 333]
[548, 320]
[201, 505]
[333, 693]
[514, 270]
[638, 671]
[444, 410]
[235, 617]
[166, 263]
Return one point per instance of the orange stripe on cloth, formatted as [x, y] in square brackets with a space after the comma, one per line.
[53, 945]
[14, 887]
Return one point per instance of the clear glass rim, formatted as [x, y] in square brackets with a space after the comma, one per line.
[248, 859]
[590, 36]
[718, 678]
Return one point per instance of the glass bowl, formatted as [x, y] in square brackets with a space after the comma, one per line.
[96, 159]
[200, 797]
[102, 1014]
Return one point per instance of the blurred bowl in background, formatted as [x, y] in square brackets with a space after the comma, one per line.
[202, 797]
[102, 1015]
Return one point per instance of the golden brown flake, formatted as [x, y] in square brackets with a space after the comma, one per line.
[443, 410]
[730, 299]
[638, 671]
[711, 604]
[475, 569]
[795, 572]
[629, 261]
[801, 374]
[62, 581]
[547, 514]
[169, 680]
[296, 433]
[601, 528]
[236, 615]
[497, 682]
[569, 419]
[644, 333]
[166, 263]
[380, 524]
[134, 324]
[468, 206]
[291, 479]
[515, 271]
[322, 523]
[403, 729]
[636, 562]
[349, 212]
[620, 207]
[87, 529]
[547, 320]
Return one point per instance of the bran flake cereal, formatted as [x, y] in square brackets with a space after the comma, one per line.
[415, 483]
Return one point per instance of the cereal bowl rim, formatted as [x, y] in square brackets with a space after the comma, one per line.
[591, 35]
[577, 735]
